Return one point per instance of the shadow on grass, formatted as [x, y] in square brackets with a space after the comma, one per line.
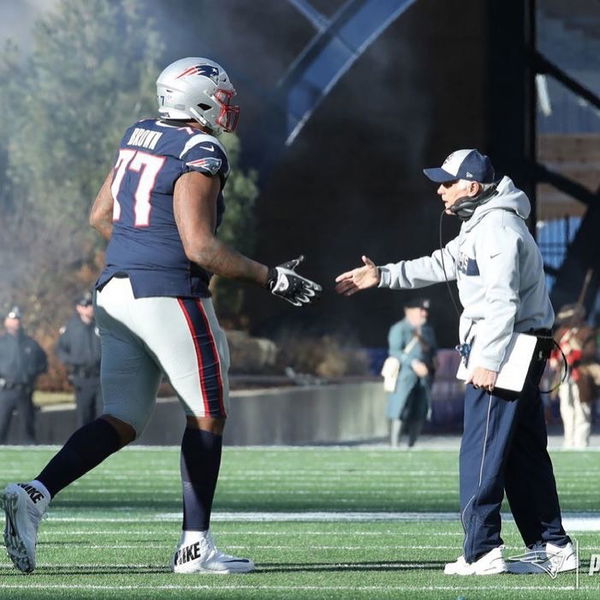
[263, 568]
[391, 565]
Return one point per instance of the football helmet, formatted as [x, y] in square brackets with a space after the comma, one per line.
[197, 88]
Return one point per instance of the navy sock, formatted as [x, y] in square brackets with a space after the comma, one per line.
[84, 450]
[200, 462]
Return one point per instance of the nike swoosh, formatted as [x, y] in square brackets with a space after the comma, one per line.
[496, 254]
[209, 148]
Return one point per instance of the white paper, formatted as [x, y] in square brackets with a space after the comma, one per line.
[514, 367]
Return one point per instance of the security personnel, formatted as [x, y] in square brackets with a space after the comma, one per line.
[21, 361]
[79, 350]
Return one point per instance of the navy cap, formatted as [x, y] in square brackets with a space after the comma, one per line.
[14, 313]
[463, 164]
[417, 303]
[85, 299]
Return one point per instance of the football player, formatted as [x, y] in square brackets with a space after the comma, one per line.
[160, 207]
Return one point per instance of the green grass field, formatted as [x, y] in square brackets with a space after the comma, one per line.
[319, 523]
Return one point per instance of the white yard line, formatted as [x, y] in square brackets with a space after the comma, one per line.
[293, 588]
[580, 521]
[143, 543]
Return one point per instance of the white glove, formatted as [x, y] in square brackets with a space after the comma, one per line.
[283, 281]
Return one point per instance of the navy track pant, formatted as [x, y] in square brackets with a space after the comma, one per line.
[503, 448]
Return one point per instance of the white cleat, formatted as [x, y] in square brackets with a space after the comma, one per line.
[197, 553]
[24, 506]
[491, 563]
[545, 558]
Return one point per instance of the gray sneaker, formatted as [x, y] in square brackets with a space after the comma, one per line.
[544, 558]
[24, 506]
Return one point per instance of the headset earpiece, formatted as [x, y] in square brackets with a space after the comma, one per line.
[465, 206]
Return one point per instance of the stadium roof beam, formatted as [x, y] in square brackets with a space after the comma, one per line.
[311, 13]
[546, 67]
[583, 253]
[514, 63]
[565, 184]
[339, 42]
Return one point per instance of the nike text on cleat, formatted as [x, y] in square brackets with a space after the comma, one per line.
[544, 558]
[24, 506]
[491, 563]
[197, 553]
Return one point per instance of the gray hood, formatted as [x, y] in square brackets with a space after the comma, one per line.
[507, 197]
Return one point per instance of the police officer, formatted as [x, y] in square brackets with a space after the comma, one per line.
[21, 361]
[79, 350]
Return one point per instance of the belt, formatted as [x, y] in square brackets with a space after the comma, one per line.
[541, 332]
[544, 345]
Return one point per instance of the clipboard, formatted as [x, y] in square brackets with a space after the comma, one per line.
[514, 367]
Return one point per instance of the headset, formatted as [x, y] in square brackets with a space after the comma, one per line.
[465, 206]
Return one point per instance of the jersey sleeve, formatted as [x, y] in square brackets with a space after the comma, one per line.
[206, 157]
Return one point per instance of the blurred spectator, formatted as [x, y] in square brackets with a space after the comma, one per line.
[21, 361]
[79, 350]
[412, 342]
[577, 341]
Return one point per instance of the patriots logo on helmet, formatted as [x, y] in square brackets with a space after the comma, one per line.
[205, 70]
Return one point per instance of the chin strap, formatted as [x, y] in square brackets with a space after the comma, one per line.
[464, 207]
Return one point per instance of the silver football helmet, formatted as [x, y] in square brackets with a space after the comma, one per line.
[197, 88]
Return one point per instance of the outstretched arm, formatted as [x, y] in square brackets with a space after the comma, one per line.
[361, 278]
[406, 274]
[195, 208]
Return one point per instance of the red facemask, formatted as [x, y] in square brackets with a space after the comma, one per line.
[230, 114]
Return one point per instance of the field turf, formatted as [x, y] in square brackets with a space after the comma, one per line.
[351, 523]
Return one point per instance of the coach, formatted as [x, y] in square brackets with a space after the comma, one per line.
[499, 272]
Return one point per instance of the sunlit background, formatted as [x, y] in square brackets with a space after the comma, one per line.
[343, 103]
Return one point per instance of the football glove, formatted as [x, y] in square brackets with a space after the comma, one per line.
[283, 281]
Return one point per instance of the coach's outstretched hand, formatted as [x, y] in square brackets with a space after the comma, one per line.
[364, 277]
[283, 281]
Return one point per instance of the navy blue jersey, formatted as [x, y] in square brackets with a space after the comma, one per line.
[145, 241]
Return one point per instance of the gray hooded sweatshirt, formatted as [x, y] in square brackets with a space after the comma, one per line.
[499, 273]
